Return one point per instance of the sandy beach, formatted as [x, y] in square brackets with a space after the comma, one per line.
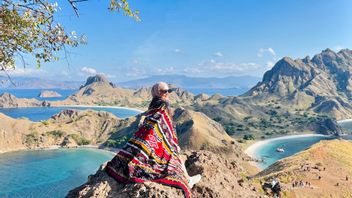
[345, 120]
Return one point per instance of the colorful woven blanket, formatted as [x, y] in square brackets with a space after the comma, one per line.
[152, 154]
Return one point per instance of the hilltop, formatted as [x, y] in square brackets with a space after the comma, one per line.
[321, 84]
[330, 160]
[299, 95]
[220, 178]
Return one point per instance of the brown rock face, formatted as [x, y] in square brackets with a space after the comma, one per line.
[197, 131]
[220, 178]
[10, 101]
[327, 75]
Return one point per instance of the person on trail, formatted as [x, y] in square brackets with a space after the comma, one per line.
[152, 154]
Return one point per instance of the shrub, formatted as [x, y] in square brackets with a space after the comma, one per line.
[269, 133]
[217, 119]
[56, 133]
[247, 118]
[31, 138]
[242, 141]
[319, 164]
[248, 137]
[230, 130]
[117, 142]
[45, 122]
[80, 140]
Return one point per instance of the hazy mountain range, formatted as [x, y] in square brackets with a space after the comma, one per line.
[232, 85]
[37, 83]
[185, 82]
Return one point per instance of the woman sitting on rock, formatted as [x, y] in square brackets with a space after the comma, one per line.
[152, 154]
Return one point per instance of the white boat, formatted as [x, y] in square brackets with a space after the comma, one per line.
[280, 149]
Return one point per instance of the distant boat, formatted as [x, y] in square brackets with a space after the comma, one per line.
[280, 149]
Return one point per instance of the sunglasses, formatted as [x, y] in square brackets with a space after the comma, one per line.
[166, 91]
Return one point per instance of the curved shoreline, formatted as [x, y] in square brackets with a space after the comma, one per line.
[110, 150]
[343, 121]
[97, 106]
[251, 151]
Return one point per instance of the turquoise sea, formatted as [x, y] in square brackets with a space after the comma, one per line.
[47, 173]
[44, 113]
[267, 152]
[33, 93]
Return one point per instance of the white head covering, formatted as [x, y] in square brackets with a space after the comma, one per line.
[157, 87]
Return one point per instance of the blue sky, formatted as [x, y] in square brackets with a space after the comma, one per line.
[197, 37]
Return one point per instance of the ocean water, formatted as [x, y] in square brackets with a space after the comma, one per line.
[47, 173]
[267, 152]
[269, 155]
[44, 113]
[33, 93]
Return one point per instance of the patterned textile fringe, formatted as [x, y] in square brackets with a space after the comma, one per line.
[152, 154]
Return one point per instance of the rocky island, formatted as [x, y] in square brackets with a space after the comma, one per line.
[49, 94]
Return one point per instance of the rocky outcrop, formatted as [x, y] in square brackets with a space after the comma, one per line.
[97, 79]
[49, 94]
[220, 178]
[201, 97]
[10, 101]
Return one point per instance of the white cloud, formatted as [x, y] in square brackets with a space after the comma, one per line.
[218, 54]
[135, 72]
[213, 68]
[88, 70]
[191, 70]
[269, 50]
[26, 72]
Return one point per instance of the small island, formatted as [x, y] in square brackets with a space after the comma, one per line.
[49, 94]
